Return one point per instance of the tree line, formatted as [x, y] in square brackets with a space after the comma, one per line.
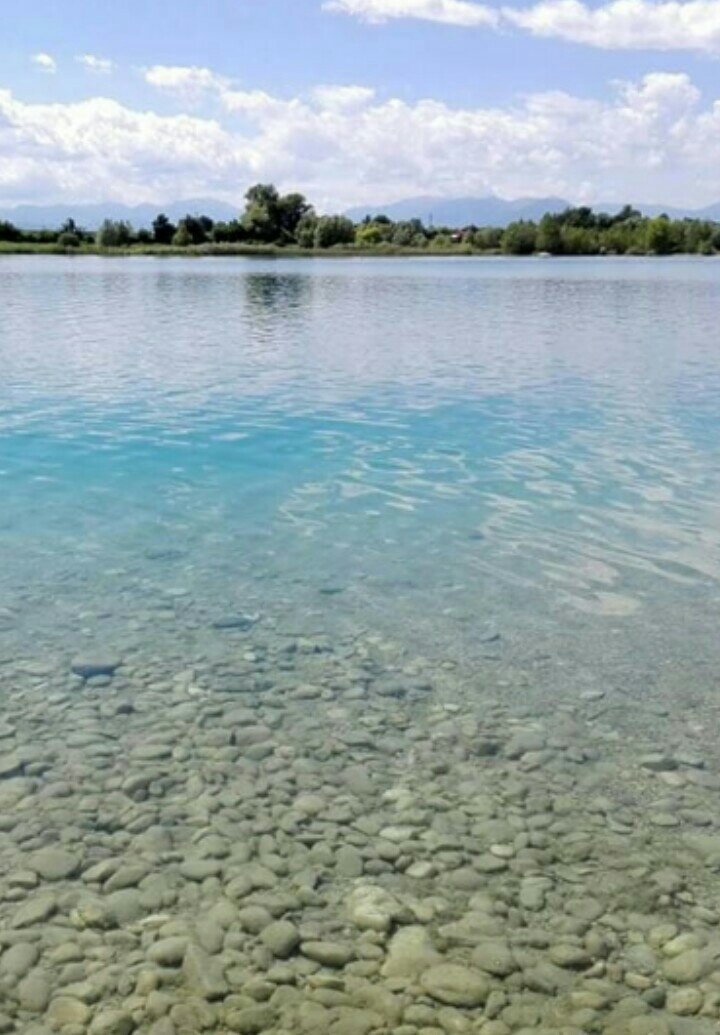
[290, 221]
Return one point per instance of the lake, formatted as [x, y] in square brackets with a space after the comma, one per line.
[358, 635]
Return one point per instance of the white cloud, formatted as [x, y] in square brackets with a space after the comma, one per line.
[95, 64]
[343, 98]
[191, 83]
[188, 82]
[450, 12]
[625, 24]
[619, 24]
[651, 140]
[45, 63]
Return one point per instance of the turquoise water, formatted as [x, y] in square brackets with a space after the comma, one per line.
[423, 448]
[358, 647]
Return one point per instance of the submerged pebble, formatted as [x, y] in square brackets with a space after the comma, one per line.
[312, 844]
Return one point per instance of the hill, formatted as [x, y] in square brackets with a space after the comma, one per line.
[49, 217]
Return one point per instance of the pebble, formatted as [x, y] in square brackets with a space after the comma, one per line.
[571, 956]
[494, 958]
[35, 911]
[312, 839]
[455, 985]
[168, 952]
[684, 1001]
[329, 954]
[19, 959]
[33, 992]
[66, 1010]
[11, 764]
[687, 967]
[54, 864]
[112, 1022]
[410, 952]
[90, 667]
[204, 974]
[281, 938]
[372, 908]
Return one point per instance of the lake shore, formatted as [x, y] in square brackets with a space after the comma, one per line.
[294, 252]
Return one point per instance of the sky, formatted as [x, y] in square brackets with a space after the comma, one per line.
[360, 101]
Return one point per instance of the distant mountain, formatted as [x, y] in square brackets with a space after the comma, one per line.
[49, 217]
[455, 212]
[709, 212]
[492, 211]
[489, 211]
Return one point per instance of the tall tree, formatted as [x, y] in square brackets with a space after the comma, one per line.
[163, 229]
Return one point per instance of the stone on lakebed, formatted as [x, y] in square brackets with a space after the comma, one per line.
[91, 667]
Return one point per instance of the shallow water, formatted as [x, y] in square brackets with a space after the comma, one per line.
[388, 516]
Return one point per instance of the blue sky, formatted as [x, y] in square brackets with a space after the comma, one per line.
[360, 100]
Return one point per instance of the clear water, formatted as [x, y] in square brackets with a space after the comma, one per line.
[409, 571]
[418, 448]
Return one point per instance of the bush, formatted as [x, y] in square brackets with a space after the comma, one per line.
[369, 236]
[68, 240]
[520, 238]
[332, 230]
[114, 234]
[182, 237]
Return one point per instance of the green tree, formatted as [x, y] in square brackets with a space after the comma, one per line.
[627, 214]
[291, 209]
[405, 233]
[163, 230]
[68, 239]
[582, 217]
[487, 238]
[369, 235]
[333, 230]
[579, 240]
[198, 228]
[305, 230]
[229, 232]
[659, 236]
[272, 217]
[261, 218]
[549, 237]
[9, 232]
[520, 238]
[114, 234]
[182, 238]
[696, 236]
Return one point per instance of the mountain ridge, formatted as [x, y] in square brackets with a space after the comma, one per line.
[494, 211]
[50, 217]
[441, 211]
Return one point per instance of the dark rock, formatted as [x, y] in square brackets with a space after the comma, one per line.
[89, 668]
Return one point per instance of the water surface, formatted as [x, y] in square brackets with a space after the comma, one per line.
[396, 575]
[417, 446]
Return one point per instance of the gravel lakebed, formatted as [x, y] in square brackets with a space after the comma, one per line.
[314, 836]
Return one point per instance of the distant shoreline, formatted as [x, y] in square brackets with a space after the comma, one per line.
[248, 251]
[275, 225]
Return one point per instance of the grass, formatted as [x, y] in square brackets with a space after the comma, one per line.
[267, 251]
[248, 250]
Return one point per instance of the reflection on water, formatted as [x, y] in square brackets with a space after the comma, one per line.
[383, 514]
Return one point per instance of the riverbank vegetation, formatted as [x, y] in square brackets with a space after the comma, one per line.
[272, 223]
